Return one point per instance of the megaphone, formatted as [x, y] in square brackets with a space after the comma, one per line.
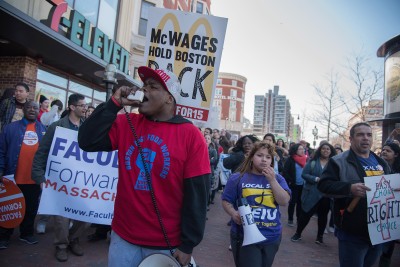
[251, 233]
[162, 260]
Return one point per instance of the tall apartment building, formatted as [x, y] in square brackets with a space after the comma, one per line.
[229, 99]
[272, 114]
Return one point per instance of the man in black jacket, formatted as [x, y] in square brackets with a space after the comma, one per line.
[176, 162]
[343, 178]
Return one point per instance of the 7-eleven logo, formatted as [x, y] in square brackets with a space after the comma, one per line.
[59, 8]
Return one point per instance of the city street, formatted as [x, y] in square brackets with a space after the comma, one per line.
[212, 252]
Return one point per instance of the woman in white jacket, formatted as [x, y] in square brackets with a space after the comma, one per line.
[54, 114]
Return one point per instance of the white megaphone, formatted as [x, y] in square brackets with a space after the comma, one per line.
[162, 260]
[251, 233]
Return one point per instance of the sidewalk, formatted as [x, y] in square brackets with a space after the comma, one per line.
[212, 252]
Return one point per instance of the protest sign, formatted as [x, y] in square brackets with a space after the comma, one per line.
[383, 208]
[190, 45]
[12, 204]
[79, 185]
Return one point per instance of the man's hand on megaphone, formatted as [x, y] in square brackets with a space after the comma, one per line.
[182, 257]
[122, 93]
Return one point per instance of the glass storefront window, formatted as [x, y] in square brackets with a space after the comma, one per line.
[51, 92]
[48, 84]
[89, 9]
[80, 88]
[52, 78]
[101, 96]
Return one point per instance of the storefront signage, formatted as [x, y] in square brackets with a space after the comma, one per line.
[228, 97]
[83, 33]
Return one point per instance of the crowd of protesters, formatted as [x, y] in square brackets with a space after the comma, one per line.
[267, 173]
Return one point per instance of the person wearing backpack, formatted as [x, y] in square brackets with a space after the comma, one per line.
[312, 200]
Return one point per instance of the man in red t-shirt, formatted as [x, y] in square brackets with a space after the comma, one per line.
[19, 142]
[177, 162]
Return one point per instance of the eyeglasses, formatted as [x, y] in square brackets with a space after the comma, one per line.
[81, 105]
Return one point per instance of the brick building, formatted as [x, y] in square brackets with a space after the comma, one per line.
[229, 99]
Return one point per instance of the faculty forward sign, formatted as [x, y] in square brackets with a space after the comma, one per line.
[79, 185]
[383, 208]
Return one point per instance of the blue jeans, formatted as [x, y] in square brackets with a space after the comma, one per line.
[122, 253]
[356, 252]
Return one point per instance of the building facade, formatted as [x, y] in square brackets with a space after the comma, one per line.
[57, 46]
[229, 99]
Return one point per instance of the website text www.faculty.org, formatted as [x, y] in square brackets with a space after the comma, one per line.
[94, 214]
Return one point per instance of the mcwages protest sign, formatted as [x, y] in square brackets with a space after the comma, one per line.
[79, 185]
[190, 45]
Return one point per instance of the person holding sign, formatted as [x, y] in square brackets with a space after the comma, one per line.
[343, 179]
[177, 165]
[19, 141]
[64, 236]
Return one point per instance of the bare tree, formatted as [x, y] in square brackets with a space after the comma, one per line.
[366, 85]
[329, 106]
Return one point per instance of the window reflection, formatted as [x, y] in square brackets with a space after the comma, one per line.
[52, 78]
[81, 89]
[89, 9]
[107, 16]
[101, 96]
[144, 17]
[53, 86]
[101, 13]
[51, 92]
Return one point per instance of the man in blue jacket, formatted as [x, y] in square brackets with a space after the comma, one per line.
[19, 141]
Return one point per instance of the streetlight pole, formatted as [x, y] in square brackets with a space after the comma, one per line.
[110, 77]
[315, 133]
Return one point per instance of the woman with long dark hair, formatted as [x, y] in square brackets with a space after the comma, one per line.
[242, 147]
[311, 199]
[292, 172]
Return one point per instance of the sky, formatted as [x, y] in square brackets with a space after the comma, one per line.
[295, 44]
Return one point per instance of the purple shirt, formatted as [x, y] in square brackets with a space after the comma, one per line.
[258, 193]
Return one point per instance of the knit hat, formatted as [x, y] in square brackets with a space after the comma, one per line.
[167, 78]
[42, 98]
